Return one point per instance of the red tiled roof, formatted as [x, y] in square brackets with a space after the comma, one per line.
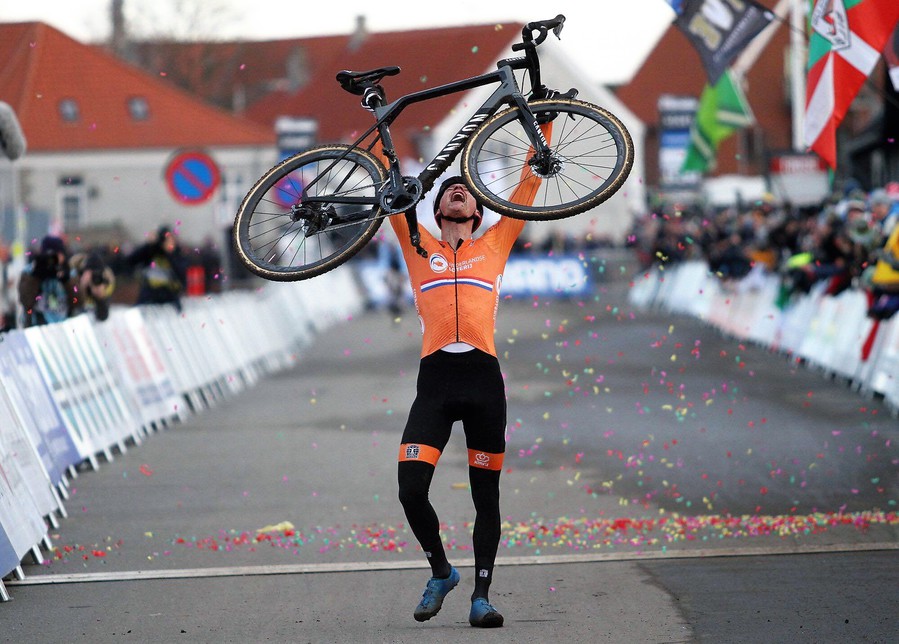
[42, 66]
[426, 57]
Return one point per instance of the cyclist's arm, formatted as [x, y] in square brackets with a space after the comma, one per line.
[529, 183]
[524, 194]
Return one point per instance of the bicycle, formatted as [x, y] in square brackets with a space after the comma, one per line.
[315, 210]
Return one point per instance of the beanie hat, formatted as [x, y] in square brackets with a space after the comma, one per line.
[479, 213]
[52, 244]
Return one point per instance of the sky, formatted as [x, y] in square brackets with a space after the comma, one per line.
[610, 37]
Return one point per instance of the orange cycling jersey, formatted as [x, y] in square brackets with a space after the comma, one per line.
[456, 291]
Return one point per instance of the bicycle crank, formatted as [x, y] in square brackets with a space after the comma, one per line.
[397, 200]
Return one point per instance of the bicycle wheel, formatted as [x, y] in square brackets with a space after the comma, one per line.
[592, 156]
[310, 213]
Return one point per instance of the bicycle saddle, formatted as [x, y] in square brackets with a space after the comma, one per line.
[357, 82]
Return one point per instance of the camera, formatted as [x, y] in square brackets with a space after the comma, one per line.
[46, 264]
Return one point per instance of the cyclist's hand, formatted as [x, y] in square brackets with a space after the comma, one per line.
[542, 91]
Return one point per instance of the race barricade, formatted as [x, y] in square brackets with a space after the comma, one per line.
[25, 490]
[831, 333]
[77, 390]
[37, 412]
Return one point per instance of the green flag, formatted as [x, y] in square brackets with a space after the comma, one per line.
[722, 111]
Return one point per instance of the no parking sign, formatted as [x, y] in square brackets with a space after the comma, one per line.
[192, 177]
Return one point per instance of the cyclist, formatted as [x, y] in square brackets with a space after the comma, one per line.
[456, 292]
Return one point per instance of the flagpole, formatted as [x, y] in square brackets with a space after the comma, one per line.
[797, 73]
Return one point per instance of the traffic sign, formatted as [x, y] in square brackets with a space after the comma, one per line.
[192, 177]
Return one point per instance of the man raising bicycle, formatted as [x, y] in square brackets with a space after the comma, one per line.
[456, 292]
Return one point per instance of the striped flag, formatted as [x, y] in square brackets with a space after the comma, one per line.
[845, 42]
[719, 30]
[722, 111]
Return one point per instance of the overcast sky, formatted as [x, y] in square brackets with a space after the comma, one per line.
[610, 37]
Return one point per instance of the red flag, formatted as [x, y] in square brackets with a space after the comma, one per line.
[846, 41]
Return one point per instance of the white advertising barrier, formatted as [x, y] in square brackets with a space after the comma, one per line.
[883, 377]
[21, 524]
[21, 378]
[20, 453]
[84, 387]
[72, 391]
[125, 338]
[827, 332]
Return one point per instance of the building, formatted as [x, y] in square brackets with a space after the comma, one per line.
[113, 152]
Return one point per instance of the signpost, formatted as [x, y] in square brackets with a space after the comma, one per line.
[192, 177]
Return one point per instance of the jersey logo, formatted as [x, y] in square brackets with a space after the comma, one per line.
[412, 452]
[438, 263]
[481, 460]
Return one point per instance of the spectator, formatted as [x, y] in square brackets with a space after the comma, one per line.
[884, 279]
[47, 288]
[95, 283]
[163, 270]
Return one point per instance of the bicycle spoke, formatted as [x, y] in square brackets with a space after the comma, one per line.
[303, 217]
[590, 155]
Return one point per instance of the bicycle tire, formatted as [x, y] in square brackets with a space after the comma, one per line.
[274, 245]
[593, 148]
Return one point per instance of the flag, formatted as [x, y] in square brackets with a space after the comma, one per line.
[722, 111]
[845, 43]
[719, 30]
[891, 56]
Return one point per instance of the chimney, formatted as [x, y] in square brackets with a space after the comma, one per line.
[359, 34]
[118, 40]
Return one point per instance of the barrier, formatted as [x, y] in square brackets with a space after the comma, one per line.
[76, 391]
[828, 333]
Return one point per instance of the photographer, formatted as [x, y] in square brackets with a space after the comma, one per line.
[47, 289]
[163, 269]
[95, 281]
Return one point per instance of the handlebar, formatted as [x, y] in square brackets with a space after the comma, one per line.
[543, 28]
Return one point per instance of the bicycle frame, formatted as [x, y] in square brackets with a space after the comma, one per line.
[507, 92]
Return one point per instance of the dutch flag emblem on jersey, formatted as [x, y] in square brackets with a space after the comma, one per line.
[461, 281]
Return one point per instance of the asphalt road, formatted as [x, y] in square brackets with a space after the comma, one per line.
[663, 484]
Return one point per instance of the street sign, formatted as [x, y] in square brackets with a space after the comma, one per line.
[192, 177]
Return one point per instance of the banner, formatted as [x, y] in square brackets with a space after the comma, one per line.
[719, 29]
[676, 115]
[21, 377]
[723, 110]
[845, 43]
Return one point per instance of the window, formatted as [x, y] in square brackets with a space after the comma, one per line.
[72, 202]
[138, 108]
[68, 110]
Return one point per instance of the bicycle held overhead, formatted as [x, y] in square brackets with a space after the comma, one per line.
[313, 211]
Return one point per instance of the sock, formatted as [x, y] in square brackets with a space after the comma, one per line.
[440, 567]
[483, 577]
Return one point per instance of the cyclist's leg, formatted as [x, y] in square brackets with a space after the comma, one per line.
[425, 436]
[485, 426]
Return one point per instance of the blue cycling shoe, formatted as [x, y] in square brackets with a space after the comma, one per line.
[484, 615]
[435, 591]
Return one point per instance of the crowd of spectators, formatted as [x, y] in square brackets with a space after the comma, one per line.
[851, 240]
[58, 281]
